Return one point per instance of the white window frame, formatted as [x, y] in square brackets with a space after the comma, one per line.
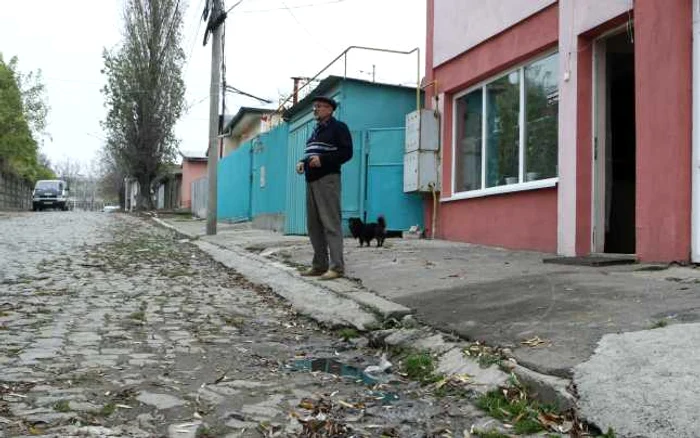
[509, 188]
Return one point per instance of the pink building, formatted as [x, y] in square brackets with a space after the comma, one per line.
[194, 167]
[567, 126]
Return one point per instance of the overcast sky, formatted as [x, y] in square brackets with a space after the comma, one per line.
[267, 43]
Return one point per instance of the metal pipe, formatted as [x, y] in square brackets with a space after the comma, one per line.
[417, 79]
[695, 169]
[374, 49]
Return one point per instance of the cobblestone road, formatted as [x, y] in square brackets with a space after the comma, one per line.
[111, 326]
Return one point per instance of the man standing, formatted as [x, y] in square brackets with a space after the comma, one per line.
[329, 146]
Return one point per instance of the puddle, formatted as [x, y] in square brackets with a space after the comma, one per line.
[332, 366]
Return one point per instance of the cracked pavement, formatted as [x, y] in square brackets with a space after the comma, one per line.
[112, 326]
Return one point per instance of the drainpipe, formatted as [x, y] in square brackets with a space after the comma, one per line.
[695, 210]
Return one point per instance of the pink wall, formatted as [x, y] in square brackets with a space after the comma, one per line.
[663, 80]
[191, 171]
[524, 220]
[663, 63]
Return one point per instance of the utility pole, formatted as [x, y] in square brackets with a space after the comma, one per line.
[216, 19]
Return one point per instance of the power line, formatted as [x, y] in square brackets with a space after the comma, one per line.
[243, 93]
[194, 39]
[231, 8]
[313, 38]
[309, 5]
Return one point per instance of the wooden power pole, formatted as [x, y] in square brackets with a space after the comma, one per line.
[216, 19]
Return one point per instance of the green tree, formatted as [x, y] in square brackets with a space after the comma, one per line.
[145, 92]
[23, 112]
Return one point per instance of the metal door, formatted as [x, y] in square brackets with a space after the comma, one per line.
[295, 214]
[352, 182]
[384, 191]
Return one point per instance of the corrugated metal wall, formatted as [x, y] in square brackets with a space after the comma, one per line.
[384, 148]
[200, 195]
[259, 179]
[295, 210]
[269, 167]
[234, 184]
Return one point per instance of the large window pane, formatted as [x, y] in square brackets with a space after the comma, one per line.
[468, 142]
[503, 130]
[541, 118]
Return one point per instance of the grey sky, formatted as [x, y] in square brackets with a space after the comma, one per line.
[267, 42]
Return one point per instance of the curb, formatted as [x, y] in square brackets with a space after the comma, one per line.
[164, 224]
[449, 353]
[452, 362]
[343, 288]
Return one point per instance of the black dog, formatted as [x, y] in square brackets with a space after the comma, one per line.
[366, 232]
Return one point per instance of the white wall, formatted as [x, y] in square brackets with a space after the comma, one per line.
[462, 24]
[591, 13]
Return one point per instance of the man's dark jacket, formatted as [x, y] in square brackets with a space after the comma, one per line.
[332, 142]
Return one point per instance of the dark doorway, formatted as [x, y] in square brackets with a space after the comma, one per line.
[620, 146]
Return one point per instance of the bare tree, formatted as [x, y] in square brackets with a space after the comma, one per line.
[145, 92]
[68, 170]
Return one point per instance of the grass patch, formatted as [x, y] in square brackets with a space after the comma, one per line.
[420, 367]
[484, 355]
[233, 321]
[609, 434]
[139, 316]
[62, 406]
[348, 333]
[176, 272]
[489, 434]
[659, 324]
[207, 432]
[513, 406]
[107, 410]
[13, 352]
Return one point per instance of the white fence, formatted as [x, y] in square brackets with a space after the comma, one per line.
[200, 194]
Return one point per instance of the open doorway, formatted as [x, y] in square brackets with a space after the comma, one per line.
[615, 146]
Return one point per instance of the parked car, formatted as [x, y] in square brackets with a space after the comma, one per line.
[51, 193]
[110, 208]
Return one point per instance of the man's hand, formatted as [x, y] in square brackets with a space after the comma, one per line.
[300, 168]
[315, 161]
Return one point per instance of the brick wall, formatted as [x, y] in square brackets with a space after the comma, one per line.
[15, 193]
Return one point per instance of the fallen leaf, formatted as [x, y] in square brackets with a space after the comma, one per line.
[345, 404]
[307, 404]
[535, 342]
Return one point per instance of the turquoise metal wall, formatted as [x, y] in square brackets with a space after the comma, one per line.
[269, 169]
[295, 210]
[234, 184]
[372, 182]
[384, 148]
[300, 130]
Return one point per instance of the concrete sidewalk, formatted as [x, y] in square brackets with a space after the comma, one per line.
[552, 317]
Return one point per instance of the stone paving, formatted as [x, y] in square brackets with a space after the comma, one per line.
[111, 326]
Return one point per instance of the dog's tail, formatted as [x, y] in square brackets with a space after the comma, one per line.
[381, 221]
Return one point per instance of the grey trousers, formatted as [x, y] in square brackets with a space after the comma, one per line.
[324, 222]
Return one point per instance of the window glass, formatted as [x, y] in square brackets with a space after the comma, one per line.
[503, 130]
[541, 119]
[469, 141]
